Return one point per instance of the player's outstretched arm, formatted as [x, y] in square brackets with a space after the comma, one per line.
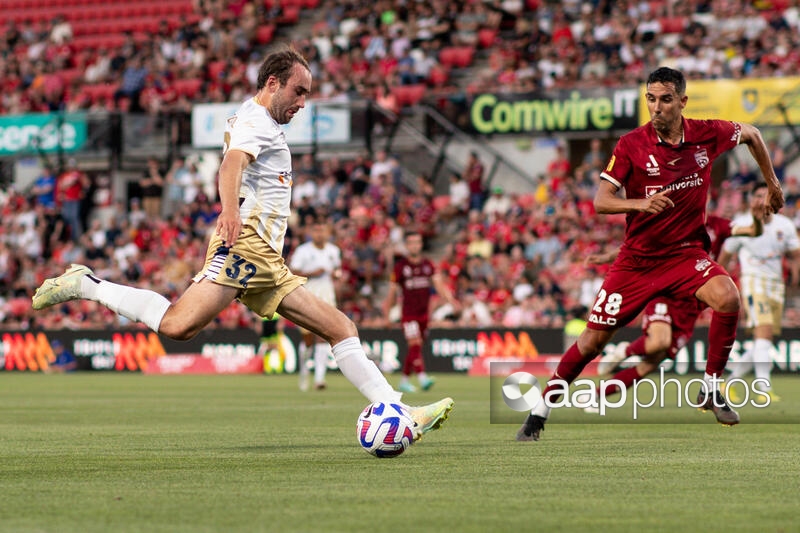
[751, 136]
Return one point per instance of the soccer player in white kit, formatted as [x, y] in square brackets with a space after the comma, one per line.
[762, 284]
[244, 259]
[320, 261]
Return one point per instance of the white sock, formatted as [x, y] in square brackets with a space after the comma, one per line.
[541, 409]
[712, 382]
[422, 377]
[362, 372]
[762, 361]
[743, 365]
[321, 351]
[140, 305]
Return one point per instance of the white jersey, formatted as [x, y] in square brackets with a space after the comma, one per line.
[761, 258]
[308, 258]
[266, 189]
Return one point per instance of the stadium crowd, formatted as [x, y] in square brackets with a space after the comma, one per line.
[367, 49]
[515, 260]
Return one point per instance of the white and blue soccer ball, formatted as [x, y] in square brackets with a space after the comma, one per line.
[385, 429]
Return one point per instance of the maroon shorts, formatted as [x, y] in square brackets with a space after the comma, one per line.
[679, 314]
[415, 328]
[632, 282]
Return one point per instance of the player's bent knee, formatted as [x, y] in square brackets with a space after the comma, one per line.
[177, 331]
[342, 328]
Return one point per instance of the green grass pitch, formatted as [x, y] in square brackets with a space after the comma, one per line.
[130, 453]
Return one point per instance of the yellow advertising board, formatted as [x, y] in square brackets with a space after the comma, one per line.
[753, 101]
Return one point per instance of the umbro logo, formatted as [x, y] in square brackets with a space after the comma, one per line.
[673, 162]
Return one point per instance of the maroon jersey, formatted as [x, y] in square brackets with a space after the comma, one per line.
[416, 283]
[645, 165]
[718, 230]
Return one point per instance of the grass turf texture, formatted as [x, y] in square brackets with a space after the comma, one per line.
[126, 452]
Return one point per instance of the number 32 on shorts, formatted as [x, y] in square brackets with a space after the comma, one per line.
[607, 305]
[238, 267]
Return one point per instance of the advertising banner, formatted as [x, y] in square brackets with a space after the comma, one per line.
[463, 350]
[42, 132]
[332, 123]
[752, 100]
[556, 111]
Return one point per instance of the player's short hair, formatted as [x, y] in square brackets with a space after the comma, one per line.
[279, 63]
[668, 75]
[757, 186]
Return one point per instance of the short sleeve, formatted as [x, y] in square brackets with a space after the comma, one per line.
[619, 166]
[249, 135]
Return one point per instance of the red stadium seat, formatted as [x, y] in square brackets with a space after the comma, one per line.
[291, 15]
[440, 202]
[70, 75]
[438, 76]
[265, 33]
[456, 56]
[486, 37]
[672, 24]
[188, 88]
[215, 68]
[408, 95]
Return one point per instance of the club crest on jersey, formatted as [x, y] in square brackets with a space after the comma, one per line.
[701, 156]
[652, 167]
[702, 264]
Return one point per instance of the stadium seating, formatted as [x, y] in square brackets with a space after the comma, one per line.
[456, 56]
[408, 95]
[188, 87]
[265, 33]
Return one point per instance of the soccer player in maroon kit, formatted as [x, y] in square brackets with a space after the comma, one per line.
[414, 276]
[665, 168]
[667, 324]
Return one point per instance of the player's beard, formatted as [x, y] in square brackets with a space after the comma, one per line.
[279, 110]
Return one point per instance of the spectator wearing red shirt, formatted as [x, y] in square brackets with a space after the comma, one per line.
[71, 188]
[474, 176]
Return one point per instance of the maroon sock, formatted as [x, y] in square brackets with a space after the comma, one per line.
[636, 347]
[628, 377]
[569, 368]
[413, 362]
[721, 334]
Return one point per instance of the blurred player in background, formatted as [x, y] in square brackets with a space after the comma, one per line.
[270, 341]
[762, 284]
[244, 259]
[413, 278]
[320, 261]
[665, 169]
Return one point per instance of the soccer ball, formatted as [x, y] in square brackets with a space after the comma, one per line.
[385, 429]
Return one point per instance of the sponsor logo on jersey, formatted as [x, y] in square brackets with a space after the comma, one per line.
[702, 264]
[686, 182]
[652, 167]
